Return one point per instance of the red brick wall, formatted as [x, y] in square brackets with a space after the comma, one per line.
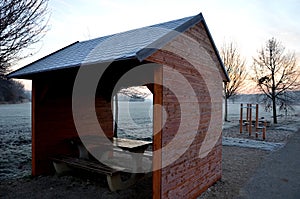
[52, 120]
[192, 99]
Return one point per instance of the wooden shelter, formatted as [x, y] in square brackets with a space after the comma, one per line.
[183, 71]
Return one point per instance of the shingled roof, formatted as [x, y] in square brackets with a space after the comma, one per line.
[134, 44]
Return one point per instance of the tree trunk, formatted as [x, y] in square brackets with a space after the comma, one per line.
[226, 110]
[274, 110]
[116, 116]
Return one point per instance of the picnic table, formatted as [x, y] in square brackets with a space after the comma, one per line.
[113, 171]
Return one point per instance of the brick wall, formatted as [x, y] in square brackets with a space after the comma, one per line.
[192, 99]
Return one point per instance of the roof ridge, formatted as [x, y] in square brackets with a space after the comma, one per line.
[149, 26]
[96, 38]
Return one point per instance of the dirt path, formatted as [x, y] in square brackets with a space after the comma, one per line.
[238, 165]
[279, 175]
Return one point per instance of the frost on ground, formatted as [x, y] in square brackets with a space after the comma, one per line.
[269, 146]
[15, 140]
[287, 128]
[276, 136]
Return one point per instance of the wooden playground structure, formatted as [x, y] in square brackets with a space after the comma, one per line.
[259, 125]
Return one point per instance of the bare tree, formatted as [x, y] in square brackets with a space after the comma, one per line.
[22, 23]
[275, 73]
[235, 66]
[135, 92]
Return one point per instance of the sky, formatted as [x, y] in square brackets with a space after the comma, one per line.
[249, 24]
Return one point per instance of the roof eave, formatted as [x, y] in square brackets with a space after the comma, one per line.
[12, 74]
[30, 75]
[227, 79]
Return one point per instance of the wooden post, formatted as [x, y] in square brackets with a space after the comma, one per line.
[116, 116]
[250, 119]
[247, 118]
[256, 120]
[157, 128]
[241, 119]
[264, 130]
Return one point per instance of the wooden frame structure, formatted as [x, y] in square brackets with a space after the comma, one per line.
[248, 122]
[186, 48]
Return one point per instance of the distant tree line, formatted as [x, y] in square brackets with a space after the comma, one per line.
[12, 91]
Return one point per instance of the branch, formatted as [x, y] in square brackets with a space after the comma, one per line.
[22, 24]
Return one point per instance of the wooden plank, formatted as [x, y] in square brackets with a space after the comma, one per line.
[88, 165]
[129, 143]
[123, 143]
[157, 129]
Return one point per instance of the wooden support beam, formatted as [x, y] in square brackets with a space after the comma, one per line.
[33, 137]
[157, 129]
[264, 130]
[256, 117]
[241, 119]
[150, 87]
[250, 119]
[247, 118]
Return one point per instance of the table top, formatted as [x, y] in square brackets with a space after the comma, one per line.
[123, 143]
[128, 143]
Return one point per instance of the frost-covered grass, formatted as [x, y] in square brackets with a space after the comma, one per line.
[277, 134]
[15, 132]
[257, 144]
[15, 140]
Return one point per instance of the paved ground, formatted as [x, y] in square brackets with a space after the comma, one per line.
[278, 176]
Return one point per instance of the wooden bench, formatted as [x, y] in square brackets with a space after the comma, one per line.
[135, 146]
[89, 165]
[261, 130]
[63, 164]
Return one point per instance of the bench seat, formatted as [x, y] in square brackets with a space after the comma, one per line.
[113, 173]
[89, 165]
